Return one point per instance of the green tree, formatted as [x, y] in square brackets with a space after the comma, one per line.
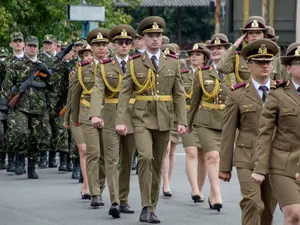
[40, 17]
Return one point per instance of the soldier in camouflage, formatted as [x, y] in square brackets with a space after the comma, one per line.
[27, 121]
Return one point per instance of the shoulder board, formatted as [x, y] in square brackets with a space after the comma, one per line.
[105, 61]
[238, 52]
[134, 56]
[279, 83]
[183, 70]
[205, 67]
[172, 56]
[237, 86]
[84, 63]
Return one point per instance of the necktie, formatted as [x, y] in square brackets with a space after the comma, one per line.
[123, 66]
[298, 89]
[265, 92]
[153, 59]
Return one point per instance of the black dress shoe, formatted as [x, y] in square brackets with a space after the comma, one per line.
[95, 201]
[115, 211]
[153, 218]
[126, 209]
[145, 214]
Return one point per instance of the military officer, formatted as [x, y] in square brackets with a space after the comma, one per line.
[243, 109]
[207, 112]
[27, 120]
[232, 62]
[116, 147]
[278, 143]
[156, 81]
[84, 79]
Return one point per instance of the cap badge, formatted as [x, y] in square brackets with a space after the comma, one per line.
[254, 24]
[99, 36]
[124, 33]
[297, 52]
[217, 41]
[263, 49]
[155, 26]
[195, 47]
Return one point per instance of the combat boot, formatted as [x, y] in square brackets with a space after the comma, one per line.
[20, 164]
[43, 160]
[62, 161]
[69, 163]
[52, 160]
[76, 169]
[31, 169]
[2, 161]
[11, 162]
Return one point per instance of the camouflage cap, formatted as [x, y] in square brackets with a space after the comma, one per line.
[122, 31]
[292, 55]
[3, 52]
[260, 50]
[49, 38]
[80, 42]
[32, 40]
[151, 24]
[17, 36]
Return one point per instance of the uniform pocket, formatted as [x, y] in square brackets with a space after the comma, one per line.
[279, 155]
[243, 151]
[288, 117]
[248, 113]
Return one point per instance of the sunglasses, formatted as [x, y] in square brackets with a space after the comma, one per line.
[121, 42]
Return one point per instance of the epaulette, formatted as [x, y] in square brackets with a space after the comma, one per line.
[279, 83]
[172, 56]
[135, 56]
[183, 70]
[105, 61]
[204, 67]
[84, 63]
[238, 85]
[238, 52]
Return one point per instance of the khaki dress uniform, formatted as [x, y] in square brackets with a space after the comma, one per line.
[208, 104]
[80, 107]
[116, 147]
[242, 112]
[159, 95]
[232, 62]
[278, 153]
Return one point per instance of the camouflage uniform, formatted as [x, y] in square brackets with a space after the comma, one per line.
[28, 123]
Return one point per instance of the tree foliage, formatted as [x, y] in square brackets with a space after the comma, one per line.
[40, 17]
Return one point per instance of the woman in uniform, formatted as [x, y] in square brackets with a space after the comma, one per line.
[277, 153]
[206, 113]
[86, 56]
[83, 83]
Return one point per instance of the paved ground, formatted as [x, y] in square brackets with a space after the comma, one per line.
[54, 200]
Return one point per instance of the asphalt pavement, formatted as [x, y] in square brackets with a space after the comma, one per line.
[54, 199]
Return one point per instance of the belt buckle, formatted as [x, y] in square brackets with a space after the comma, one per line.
[222, 106]
[156, 98]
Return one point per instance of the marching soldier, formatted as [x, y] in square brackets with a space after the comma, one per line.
[116, 147]
[84, 80]
[278, 144]
[243, 110]
[207, 112]
[155, 80]
[27, 120]
[232, 62]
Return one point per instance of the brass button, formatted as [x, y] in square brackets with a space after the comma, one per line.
[157, 91]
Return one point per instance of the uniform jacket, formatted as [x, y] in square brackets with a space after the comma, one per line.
[242, 112]
[280, 151]
[201, 116]
[156, 115]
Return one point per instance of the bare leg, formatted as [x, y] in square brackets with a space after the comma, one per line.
[191, 168]
[171, 160]
[82, 152]
[165, 175]
[212, 165]
[291, 214]
[201, 171]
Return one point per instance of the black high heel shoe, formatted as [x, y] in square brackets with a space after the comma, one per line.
[216, 206]
[167, 193]
[86, 196]
[196, 198]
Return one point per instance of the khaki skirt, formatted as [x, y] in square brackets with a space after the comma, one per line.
[78, 135]
[286, 189]
[191, 140]
[210, 139]
[175, 137]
